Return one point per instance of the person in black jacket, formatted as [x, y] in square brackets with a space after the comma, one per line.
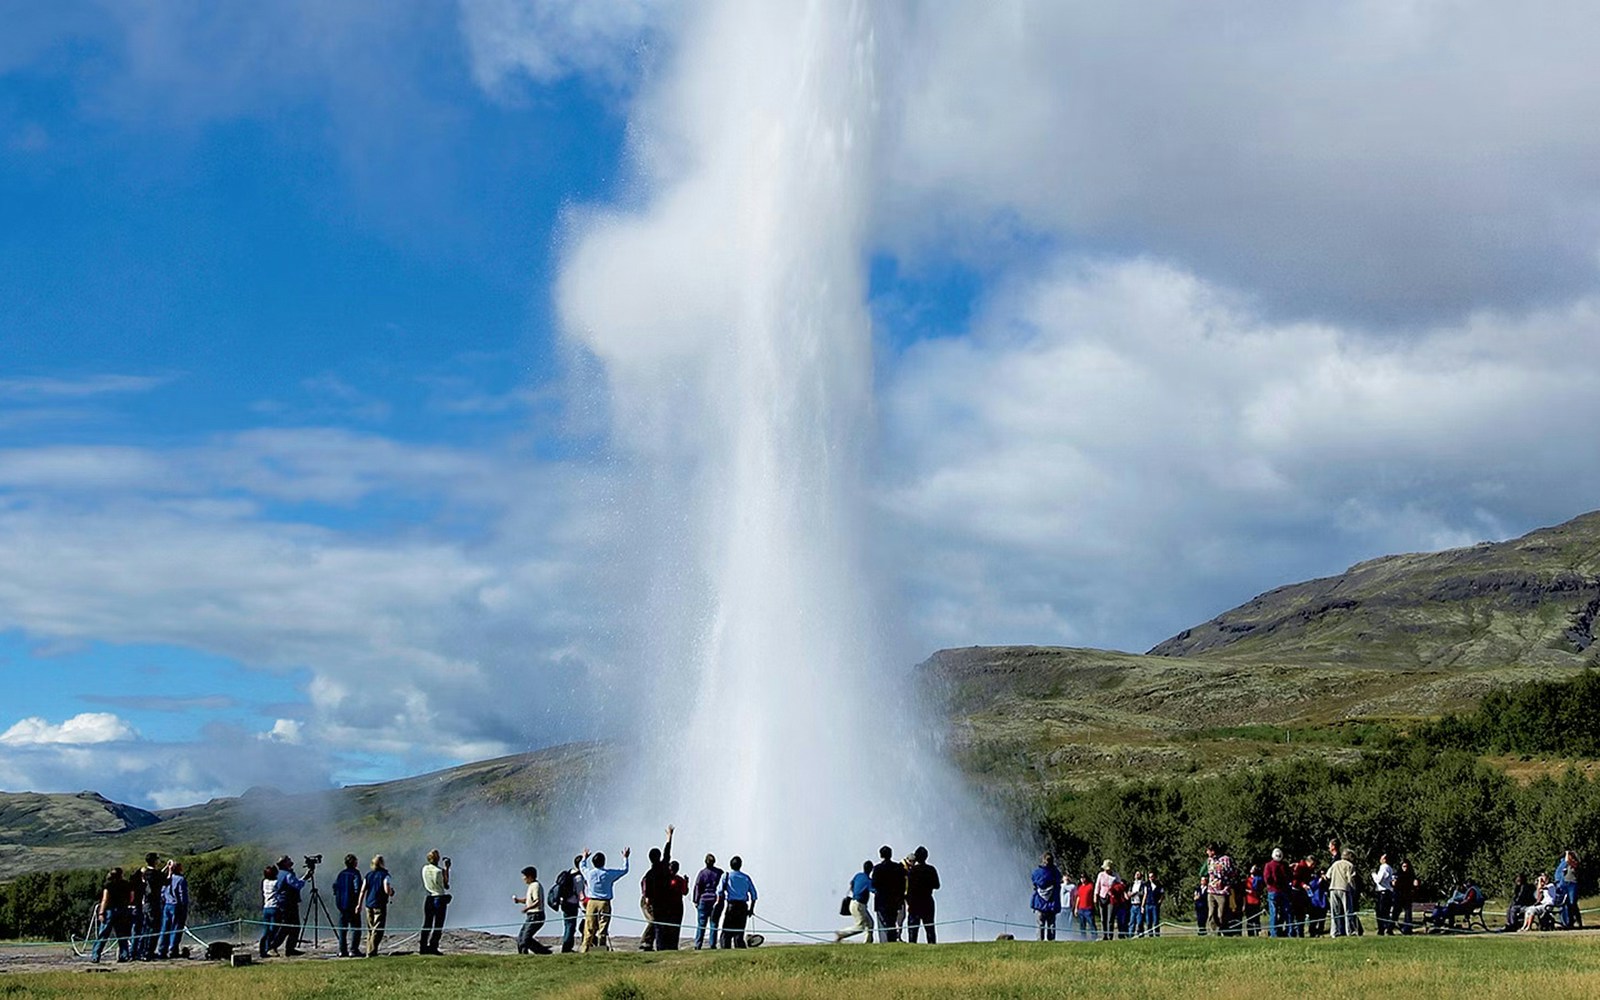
[1522, 897]
[888, 893]
[921, 881]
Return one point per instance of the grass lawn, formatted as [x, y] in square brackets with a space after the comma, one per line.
[1535, 966]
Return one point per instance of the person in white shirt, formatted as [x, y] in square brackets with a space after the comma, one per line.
[532, 903]
[436, 881]
[1383, 879]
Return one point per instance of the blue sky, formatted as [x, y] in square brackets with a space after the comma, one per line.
[295, 456]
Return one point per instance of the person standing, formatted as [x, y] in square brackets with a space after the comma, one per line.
[347, 900]
[1383, 881]
[116, 916]
[269, 911]
[1102, 900]
[1275, 878]
[738, 893]
[567, 894]
[601, 882]
[888, 893]
[147, 885]
[1566, 881]
[1254, 901]
[379, 890]
[289, 886]
[1085, 905]
[922, 881]
[1405, 895]
[1136, 905]
[436, 883]
[174, 910]
[1219, 885]
[1341, 882]
[860, 888]
[708, 908]
[1046, 900]
[1152, 905]
[658, 900]
[532, 902]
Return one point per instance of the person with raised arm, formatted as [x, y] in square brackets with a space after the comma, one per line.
[601, 881]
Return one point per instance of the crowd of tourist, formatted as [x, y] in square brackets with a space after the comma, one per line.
[892, 899]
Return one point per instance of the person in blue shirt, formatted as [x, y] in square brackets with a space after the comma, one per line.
[347, 899]
[738, 894]
[378, 889]
[289, 886]
[860, 887]
[1047, 896]
[174, 910]
[602, 881]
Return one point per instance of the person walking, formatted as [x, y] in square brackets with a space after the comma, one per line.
[708, 907]
[532, 903]
[738, 894]
[888, 893]
[379, 890]
[856, 905]
[116, 916]
[1383, 881]
[174, 910]
[347, 900]
[436, 883]
[922, 880]
[1275, 877]
[601, 883]
[1046, 900]
[1341, 882]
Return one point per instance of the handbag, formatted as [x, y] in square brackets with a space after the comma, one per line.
[844, 906]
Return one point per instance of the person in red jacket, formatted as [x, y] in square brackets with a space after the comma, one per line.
[1277, 878]
[1255, 892]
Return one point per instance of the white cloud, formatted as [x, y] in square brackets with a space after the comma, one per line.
[1121, 449]
[82, 729]
[549, 39]
[283, 731]
[44, 388]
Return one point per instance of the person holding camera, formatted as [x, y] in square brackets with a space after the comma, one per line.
[436, 881]
[174, 910]
[289, 886]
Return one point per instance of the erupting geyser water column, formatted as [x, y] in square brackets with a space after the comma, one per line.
[729, 312]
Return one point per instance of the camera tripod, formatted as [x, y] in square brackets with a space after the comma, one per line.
[314, 905]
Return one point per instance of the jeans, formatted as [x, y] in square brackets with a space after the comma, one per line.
[1047, 925]
[1086, 923]
[350, 931]
[1152, 919]
[889, 924]
[1252, 919]
[569, 930]
[173, 918]
[269, 930]
[116, 922]
[526, 940]
[433, 910]
[733, 920]
[709, 913]
[1384, 905]
[1403, 915]
[920, 913]
[1278, 914]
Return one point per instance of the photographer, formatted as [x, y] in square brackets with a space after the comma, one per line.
[436, 881]
[289, 886]
[174, 910]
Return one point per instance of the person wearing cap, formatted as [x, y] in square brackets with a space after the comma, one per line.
[289, 886]
[347, 899]
[1276, 877]
[378, 889]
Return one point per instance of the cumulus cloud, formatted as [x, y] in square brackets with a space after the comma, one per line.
[1121, 448]
[1394, 163]
[85, 728]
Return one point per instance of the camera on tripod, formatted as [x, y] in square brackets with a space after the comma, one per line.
[312, 861]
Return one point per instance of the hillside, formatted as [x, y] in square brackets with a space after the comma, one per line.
[47, 832]
[1303, 669]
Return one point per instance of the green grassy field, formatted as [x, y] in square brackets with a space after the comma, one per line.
[1534, 966]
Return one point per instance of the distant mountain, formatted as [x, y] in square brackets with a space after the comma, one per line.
[1532, 601]
[1299, 670]
[46, 832]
